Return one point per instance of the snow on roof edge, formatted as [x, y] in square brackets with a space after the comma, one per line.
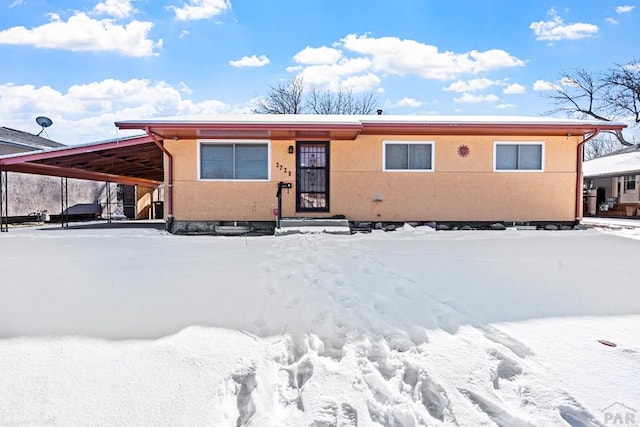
[364, 119]
[621, 164]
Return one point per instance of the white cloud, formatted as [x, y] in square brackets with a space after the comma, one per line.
[468, 98]
[82, 33]
[184, 88]
[250, 61]
[200, 9]
[359, 63]
[542, 85]
[555, 29]
[408, 102]
[611, 21]
[361, 83]
[115, 8]
[504, 106]
[473, 85]
[331, 76]
[183, 34]
[16, 3]
[395, 56]
[624, 9]
[86, 112]
[317, 55]
[476, 85]
[514, 89]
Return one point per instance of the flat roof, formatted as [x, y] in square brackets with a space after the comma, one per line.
[341, 119]
[348, 127]
[625, 163]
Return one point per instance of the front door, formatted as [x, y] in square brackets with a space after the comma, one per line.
[312, 180]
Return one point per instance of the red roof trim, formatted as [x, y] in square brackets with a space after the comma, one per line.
[49, 170]
[69, 151]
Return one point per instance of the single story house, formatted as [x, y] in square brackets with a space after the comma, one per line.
[378, 168]
[612, 182]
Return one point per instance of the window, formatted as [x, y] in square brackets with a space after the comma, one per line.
[630, 183]
[407, 156]
[518, 157]
[234, 160]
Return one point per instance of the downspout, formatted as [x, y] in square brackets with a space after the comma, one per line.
[169, 190]
[579, 179]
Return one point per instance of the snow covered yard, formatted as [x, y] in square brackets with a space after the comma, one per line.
[140, 328]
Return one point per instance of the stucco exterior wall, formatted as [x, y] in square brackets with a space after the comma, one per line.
[30, 193]
[458, 189]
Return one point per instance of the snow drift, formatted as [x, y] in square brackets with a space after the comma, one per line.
[415, 327]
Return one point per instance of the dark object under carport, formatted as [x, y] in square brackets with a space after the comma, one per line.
[158, 210]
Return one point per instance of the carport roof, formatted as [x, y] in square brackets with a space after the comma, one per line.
[134, 160]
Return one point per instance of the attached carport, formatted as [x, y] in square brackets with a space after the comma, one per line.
[130, 161]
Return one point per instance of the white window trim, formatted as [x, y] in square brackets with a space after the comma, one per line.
[202, 142]
[495, 149]
[384, 156]
[629, 178]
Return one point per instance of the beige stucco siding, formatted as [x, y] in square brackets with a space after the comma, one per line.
[458, 189]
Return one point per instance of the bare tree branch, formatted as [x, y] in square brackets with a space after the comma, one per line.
[607, 96]
[285, 98]
[601, 146]
[289, 98]
[341, 102]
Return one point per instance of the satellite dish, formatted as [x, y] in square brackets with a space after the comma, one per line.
[44, 122]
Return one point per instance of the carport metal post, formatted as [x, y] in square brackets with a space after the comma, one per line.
[64, 199]
[4, 205]
[108, 202]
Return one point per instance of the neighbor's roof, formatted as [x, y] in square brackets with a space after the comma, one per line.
[347, 127]
[623, 162]
[28, 141]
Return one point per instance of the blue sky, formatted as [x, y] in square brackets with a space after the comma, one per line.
[88, 63]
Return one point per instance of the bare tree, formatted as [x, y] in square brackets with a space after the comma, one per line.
[601, 146]
[341, 102]
[290, 98]
[605, 96]
[285, 98]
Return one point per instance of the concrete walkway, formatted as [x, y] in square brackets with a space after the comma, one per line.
[612, 222]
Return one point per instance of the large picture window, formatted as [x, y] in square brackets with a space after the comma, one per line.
[234, 160]
[518, 156]
[407, 156]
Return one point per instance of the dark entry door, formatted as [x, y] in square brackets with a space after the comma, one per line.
[312, 181]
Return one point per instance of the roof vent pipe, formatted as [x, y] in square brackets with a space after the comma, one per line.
[379, 112]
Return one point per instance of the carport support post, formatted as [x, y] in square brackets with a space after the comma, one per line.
[64, 200]
[108, 202]
[4, 207]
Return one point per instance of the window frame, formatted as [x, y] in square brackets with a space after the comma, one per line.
[629, 179]
[389, 142]
[518, 143]
[233, 142]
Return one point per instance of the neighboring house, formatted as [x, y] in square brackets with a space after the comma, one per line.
[28, 194]
[15, 141]
[371, 168]
[614, 180]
